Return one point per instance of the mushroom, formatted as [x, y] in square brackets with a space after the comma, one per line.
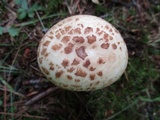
[82, 53]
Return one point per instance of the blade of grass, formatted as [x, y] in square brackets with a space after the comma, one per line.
[6, 45]
[16, 93]
[4, 69]
[157, 99]
[37, 20]
[6, 84]
[4, 59]
[118, 113]
[33, 117]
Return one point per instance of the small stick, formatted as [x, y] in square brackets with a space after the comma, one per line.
[29, 116]
[16, 93]
[41, 95]
[138, 7]
[41, 22]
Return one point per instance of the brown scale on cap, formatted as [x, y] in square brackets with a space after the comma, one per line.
[98, 31]
[65, 39]
[51, 68]
[46, 43]
[97, 82]
[40, 60]
[110, 30]
[65, 63]
[59, 73]
[86, 63]
[77, 30]
[69, 77]
[92, 76]
[105, 45]
[69, 48]
[114, 46]
[70, 70]
[81, 25]
[78, 39]
[92, 68]
[45, 70]
[91, 39]
[58, 36]
[62, 31]
[100, 73]
[67, 28]
[120, 48]
[56, 47]
[57, 66]
[88, 30]
[105, 36]
[107, 27]
[51, 33]
[75, 62]
[71, 32]
[81, 52]
[101, 61]
[94, 46]
[80, 72]
[43, 51]
[46, 55]
[51, 64]
[77, 80]
[50, 36]
[77, 19]
[110, 37]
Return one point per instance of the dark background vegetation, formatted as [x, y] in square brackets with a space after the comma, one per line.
[25, 94]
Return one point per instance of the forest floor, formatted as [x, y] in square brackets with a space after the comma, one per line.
[25, 93]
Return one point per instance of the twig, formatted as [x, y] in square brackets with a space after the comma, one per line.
[138, 7]
[69, 9]
[41, 95]
[41, 21]
[78, 6]
[29, 116]
[16, 93]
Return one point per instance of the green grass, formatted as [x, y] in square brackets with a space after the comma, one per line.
[136, 95]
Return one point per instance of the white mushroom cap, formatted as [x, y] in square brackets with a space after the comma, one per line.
[82, 53]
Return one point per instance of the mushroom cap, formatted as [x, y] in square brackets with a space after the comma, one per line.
[82, 53]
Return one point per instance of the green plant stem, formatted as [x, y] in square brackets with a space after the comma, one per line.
[37, 20]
